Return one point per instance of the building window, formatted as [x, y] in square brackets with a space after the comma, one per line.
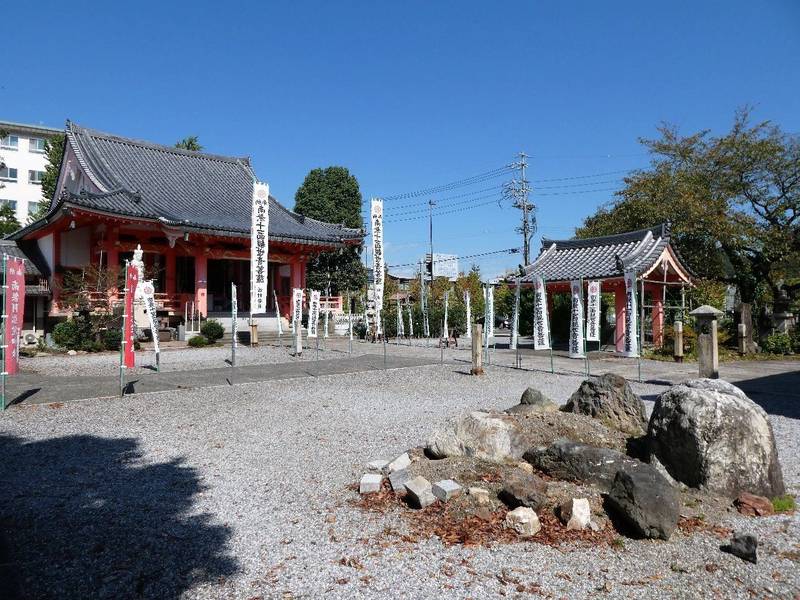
[10, 142]
[35, 177]
[11, 203]
[184, 274]
[33, 207]
[8, 174]
[36, 145]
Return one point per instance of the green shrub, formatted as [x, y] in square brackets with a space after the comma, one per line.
[778, 343]
[72, 334]
[212, 330]
[197, 341]
[783, 504]
[112, 339]
[92, 346]
[794, 336]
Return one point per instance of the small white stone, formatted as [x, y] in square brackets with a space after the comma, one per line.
[377, 465]
[419, 490]
[445, 489]
[370, 483]
[523, 520]
[398, 464]
[576, 513]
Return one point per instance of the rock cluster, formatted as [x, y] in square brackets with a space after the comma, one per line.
[705, 434]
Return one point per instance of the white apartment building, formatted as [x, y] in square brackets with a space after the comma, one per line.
[23, 157]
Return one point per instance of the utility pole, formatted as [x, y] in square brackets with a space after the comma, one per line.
[431, 204]
[517, 191]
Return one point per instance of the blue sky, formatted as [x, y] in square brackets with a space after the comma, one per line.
[410, 95]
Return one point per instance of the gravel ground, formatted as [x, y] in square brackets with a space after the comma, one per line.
[240, 492]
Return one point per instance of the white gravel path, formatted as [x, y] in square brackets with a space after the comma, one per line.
[240, 492]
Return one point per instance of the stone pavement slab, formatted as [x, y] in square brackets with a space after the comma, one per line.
[34, 388]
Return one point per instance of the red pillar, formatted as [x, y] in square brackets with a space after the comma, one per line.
[57, 278]
[169, 257]
[112, 261]
[619, 309]
[658, 317]
[298, 275]
[201, 283]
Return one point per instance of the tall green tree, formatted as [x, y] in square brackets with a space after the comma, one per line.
[333, 195]
[190, 143]
[733, 200]
[8, 220]
[54, 153]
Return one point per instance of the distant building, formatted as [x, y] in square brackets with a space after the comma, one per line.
[189, 211]
[22, 153]
[444, 265]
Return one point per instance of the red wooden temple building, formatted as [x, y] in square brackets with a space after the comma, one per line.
[190, 211]
[649, 253]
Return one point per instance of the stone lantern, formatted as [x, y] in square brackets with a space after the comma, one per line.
[707, 350]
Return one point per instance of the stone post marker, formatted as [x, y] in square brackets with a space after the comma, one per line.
[678, 352]
[707, 350]
[742, 332]
[254, 333]
[477, 351]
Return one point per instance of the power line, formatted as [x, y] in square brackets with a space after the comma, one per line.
[467, 201]
[494, 173]
[442, 212]
[441, 260]
[582, 176]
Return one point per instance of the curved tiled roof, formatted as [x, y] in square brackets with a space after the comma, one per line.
[181, 188]
[600, 257]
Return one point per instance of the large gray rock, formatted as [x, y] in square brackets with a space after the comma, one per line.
[645, 501]
[523, 489]
[707, 433]
[610, 399]
[573, 461]
[479, 434]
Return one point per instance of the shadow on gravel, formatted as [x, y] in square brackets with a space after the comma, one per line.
[82, 517]
[778, 394]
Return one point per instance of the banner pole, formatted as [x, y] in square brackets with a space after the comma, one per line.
[549, 331]
[585, 331]
[122, 343]
[4, 319]
[383, 335]
[640, 334]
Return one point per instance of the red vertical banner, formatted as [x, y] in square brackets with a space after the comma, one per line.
[131, 281]
[14, 310]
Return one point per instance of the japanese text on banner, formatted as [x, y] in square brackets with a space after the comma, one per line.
[259, 248]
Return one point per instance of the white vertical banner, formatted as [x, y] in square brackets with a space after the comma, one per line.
[400, 328]
[515, 318]
[145, 292]
[325, 320]
[576, 320]
[378, 259]
[278, 312]
[297, 310]
[426, 329]
[410, 320]
[468, 333]
[313, 314]
[445, 329]
[489, 297]
[593, 312]
[234, 317]
[259, 248]
[631, 316]
[541, 319]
